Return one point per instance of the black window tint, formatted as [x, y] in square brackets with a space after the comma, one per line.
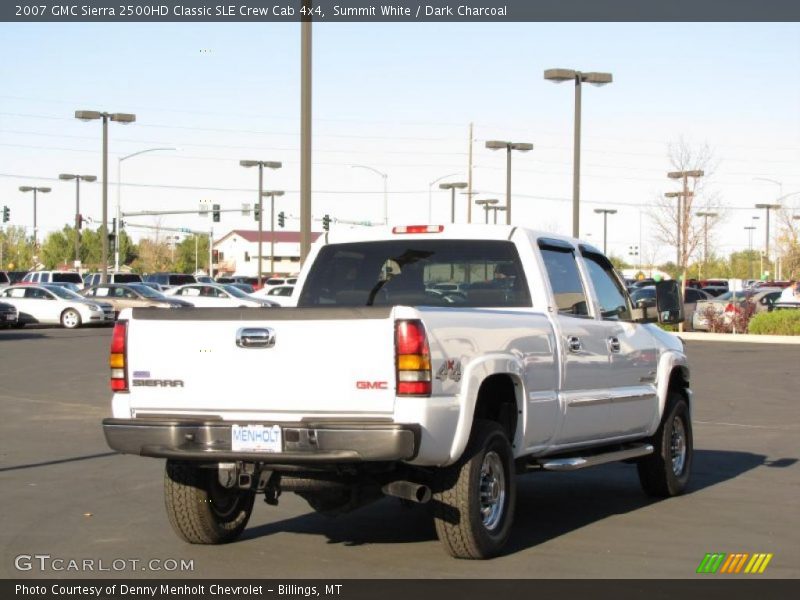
[181, 279]
[4, 278]
[404, 271]
[67, 278]
[565, 281]
[613, 301]
[693, 295]
[127, 278]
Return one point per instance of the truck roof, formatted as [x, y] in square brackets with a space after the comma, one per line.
[459, 231]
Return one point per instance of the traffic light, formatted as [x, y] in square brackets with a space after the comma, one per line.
[215, 212]
[6, 214]
[257, 212]
[326, 222]
[281, 219]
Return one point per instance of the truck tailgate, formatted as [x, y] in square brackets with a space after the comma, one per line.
[187, 361]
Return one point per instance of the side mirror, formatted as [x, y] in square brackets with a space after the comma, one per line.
[669, 304]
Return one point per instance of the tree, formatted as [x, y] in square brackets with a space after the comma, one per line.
[185, 254]
[58, 248]
[17, 249]
[664, 214]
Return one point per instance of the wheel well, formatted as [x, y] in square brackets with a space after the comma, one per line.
[497, 401]
[679, 381]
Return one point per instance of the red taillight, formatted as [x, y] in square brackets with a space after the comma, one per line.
[413, 361]
[118, 358]
[418, 229]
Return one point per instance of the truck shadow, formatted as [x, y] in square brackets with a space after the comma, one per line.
[549, 505]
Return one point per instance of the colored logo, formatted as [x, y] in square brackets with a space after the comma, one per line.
[741, 562]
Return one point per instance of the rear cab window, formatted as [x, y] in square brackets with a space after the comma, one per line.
[405, 272]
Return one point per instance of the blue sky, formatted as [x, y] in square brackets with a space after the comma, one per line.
[399, 98]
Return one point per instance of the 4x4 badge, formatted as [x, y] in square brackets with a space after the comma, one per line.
[450, 369]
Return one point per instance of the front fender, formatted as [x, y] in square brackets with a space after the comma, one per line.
[474, 375]
[669, 361]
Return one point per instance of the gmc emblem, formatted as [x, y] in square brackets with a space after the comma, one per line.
[372, 385]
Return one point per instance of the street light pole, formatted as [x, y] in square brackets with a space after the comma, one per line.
[509, 146]
[430, 193]
[260, 164]
[119, 188]
[272, 194]
[460, 185]
[385, 192]
[767, 207]
[605, 212]
[125, 119]
[750, 230]
[78, 178]
[495, 209]
[559, 76]
[705, 216]
[43, 190]
[487, 204]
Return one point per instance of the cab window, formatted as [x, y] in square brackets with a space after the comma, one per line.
[565, 279]
[613, 300]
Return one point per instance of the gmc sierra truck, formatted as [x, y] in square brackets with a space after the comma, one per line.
[382, 381]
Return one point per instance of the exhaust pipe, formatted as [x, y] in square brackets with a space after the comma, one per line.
[408, 490]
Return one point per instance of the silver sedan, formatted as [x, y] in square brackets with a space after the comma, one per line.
[55, 305]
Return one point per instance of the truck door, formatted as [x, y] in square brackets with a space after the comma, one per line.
[633, 402]
[584, 354]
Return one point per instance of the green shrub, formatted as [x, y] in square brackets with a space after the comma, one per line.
[778, 322]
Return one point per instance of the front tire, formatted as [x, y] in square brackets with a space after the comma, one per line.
[666, 472]
[200, 509]
[474, 499]
[70, 319]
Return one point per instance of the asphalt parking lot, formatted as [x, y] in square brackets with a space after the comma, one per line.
[68, 496]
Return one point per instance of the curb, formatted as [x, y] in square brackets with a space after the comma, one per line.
[694, 336]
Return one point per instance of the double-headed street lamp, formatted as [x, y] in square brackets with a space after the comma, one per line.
[605, 212]
[35, 190]
[706, 215]
[119, 188]
[271, 194]
[261, 164]
[78, 220]
[509, 146]
[125, 119]
[459, 185]
[495, 210]
[385, 193]
[486, 204]
[767, 207]
[559, 76]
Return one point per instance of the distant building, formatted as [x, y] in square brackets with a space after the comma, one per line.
[236, 253]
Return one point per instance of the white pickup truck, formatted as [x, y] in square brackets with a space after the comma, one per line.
[382, 381]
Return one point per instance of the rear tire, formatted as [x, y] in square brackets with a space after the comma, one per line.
[666, 472]
[70, 319]
[200, 509]
[474, 499]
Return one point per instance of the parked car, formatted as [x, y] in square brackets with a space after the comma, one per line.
[715, 290]
[281, 294]
[207, 294]
[67, 285]
[90, 279]
[132, 295]
[169, 280]
[52, 305]
[741, 300]
[8, 315]
[53, 277]
[646, 297]
[154, 286]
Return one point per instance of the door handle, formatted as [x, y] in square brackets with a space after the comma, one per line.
[613, 344]
[252, 337]
[573, 343]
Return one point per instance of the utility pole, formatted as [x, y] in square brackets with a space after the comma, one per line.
[469, 178]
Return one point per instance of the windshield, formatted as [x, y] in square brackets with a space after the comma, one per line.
[404, 271]
[146, 290]
[234, 291]
[63, 292]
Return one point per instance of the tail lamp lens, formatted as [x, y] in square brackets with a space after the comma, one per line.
[117, 362]
[413, 359]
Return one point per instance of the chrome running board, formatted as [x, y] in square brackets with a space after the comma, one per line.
[581, 462]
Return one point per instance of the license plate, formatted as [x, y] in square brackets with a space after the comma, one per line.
[256, 438]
